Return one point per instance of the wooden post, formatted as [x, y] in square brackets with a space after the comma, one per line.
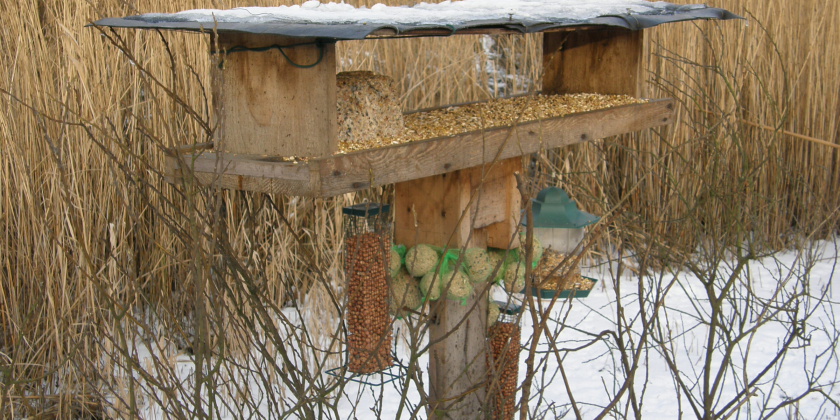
[457, 370]
[267, 106]
[607, 61]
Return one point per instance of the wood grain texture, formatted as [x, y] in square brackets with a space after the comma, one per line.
[339, 174]
[266, 106]
[501, 234]
[457, 363]
[607, 61]
[428, 210]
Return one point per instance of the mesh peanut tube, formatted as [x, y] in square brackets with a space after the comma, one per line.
[505, 364]
[368, 323]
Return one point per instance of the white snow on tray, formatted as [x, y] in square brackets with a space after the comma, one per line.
[443, 13]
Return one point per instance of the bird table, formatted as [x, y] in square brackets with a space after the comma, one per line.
[276, 99]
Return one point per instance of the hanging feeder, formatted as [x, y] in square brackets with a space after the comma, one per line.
[559, 227]
[503, 360]
[367, 247]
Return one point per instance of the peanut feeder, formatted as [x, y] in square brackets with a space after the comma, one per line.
[367, 247]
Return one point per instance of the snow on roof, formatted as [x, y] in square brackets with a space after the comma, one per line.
[443, 13]
[525, 15]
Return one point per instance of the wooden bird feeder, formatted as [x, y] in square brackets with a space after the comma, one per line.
[274, 102]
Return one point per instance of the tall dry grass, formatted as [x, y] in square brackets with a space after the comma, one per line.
[82, 241]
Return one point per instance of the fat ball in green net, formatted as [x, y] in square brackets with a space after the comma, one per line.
[492, 313]
[515, 278]
[421, 259]
[478, 263]
[405, 292]
[459, 285]
[536, 254]
[431, 292]
[394, 262]
[495, 257]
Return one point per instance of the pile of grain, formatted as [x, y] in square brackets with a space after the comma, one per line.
[572, 281]
[495, 113]
[368, 107]
[505, 363]
[368, 323]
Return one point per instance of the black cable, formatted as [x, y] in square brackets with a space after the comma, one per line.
[319, 43]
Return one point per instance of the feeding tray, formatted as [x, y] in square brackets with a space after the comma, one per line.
[343, 173]
[563, 294]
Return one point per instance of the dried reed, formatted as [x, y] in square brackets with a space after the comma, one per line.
[82, 241]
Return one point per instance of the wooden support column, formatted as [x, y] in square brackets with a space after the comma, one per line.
[267, 106]
[607, 61]
[427, 211]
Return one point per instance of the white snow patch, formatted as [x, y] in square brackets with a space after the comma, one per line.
[443, 13]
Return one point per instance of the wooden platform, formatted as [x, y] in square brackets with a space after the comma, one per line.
[344, 173]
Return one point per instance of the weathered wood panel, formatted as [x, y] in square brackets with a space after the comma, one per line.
[607, 61]
[267, 106]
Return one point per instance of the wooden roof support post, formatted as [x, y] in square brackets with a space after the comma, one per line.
[457, 363]
[606, 61]
[268, 106]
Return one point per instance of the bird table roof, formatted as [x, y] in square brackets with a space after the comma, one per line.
[339, 21]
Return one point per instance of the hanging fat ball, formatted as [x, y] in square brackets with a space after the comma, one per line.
[496, 257]
[478, 264]
[536, 253]
[421, 259]
[394, 262]
[492, 313]
[515, 278]
[431, 291]
[405, 293]
[459, 285]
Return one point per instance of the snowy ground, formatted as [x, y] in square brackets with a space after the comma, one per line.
[592, 372]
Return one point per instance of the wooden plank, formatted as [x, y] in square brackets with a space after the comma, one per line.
[501, 234]
[496, 209]
[266, 106]
[339, 174]
[463, 350]
[428, 210]
[438, 210]
[608, 61]
[388, 165]
[245, 172]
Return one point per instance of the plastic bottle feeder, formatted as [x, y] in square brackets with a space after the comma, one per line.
[559, 227]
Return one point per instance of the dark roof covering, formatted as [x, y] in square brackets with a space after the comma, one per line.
[350, 31]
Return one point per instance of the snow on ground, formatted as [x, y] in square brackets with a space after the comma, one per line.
[423, 13]
[592, 371]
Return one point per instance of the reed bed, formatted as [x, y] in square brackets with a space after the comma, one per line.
[84, 239]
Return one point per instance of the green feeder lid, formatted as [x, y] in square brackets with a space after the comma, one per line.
[366, 209]
[508, 308]
[554, 209]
